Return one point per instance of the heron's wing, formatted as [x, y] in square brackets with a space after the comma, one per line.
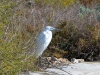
[40, 37]
[40, 41]
[40, 44]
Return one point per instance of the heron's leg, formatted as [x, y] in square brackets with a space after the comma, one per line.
[39, 62]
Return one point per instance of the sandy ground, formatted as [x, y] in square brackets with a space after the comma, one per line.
[86, 68]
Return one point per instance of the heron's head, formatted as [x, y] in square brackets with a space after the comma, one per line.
[50, 28]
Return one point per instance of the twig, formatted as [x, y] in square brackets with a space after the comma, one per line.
[63, 70]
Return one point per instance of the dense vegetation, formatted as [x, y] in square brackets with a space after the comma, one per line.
[80, 33]
[22, 20]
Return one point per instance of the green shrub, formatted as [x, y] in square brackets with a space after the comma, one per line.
[15, 40]
[79, 36]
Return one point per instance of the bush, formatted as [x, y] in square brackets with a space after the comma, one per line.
[79, 35]
[16, 39]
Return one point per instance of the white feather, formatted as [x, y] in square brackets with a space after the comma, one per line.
[43, 40]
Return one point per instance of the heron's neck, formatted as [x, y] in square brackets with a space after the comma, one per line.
[48, 32]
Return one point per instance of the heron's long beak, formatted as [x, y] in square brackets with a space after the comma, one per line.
[56, 29]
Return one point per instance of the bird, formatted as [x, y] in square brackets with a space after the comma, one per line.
[43, 40]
